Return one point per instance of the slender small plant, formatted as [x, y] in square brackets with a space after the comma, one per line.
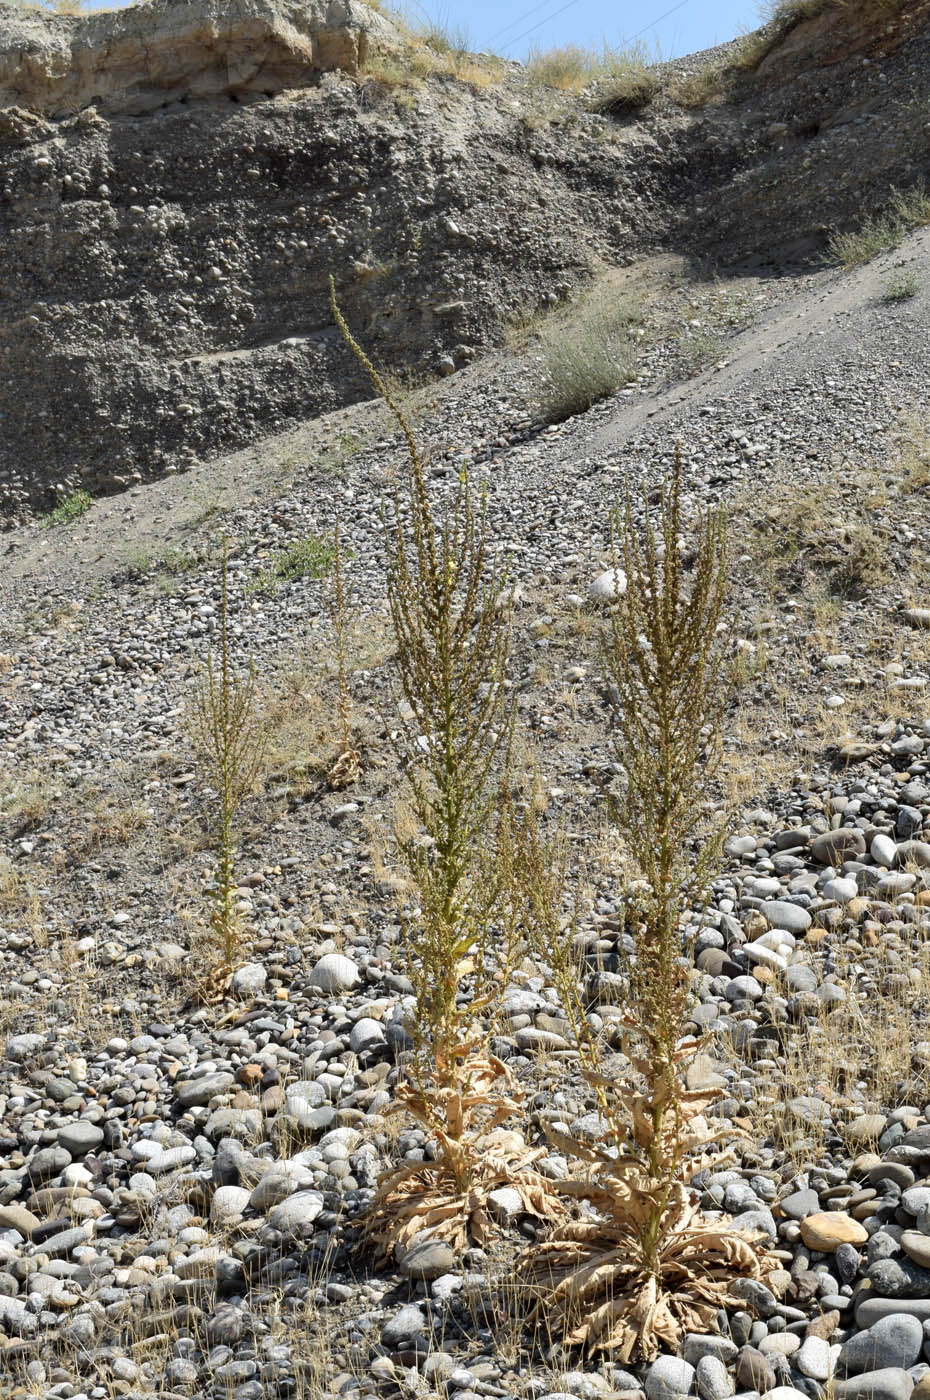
[648, 1267]
[345, 771]
[454, 749]
[230, 742]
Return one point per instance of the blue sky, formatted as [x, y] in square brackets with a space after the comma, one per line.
[515, 26]
[667, 28]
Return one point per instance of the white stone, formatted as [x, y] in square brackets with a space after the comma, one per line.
[229, 1205]
[608, 586]
[758, 953]
[249, 980]
[883, 850]
[668, 1378]
[335, 973]
[296, 1212]
[840, 889]
[815, 1359]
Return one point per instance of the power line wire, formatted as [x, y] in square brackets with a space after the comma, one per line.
[532, 30]
[528, 14]
[680, 6]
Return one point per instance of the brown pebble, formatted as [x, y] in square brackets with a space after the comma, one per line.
[823, 1326]
[273, 1099]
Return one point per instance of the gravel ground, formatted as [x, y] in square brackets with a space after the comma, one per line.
[180, 1183]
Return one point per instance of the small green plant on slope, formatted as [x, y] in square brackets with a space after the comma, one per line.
[901, 287]
[454, 748]
[70, 509]
[906, 210]
[307, 558]
[230, 742]
[647, 1267]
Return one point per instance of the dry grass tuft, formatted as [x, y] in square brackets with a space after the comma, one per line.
[584, 355]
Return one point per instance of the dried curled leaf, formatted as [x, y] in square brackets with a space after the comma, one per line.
[345, 771]
[423, 1200]
[586, 1286]
[446, 1199]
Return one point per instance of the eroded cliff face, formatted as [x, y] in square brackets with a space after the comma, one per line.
[832, 37]
[178, 182]
[139, 58]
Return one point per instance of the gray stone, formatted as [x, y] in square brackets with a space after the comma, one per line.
[428, 1259]
[915, 853]
[226, 1326]
[884, 850]
[785, 1392]
[284, 1179]
[895, 1340]
[799, 1204]
[754, 1295]
[24, 1047]
[229, 1204]
[194, 1093]
[891, 1171]
[608, 586]
[296, 1213]
[916, 1246]
[505, 1204]
[170, 1160]
[65, 1241]
[698, 1344]
[585, 1385]
[47, 1162]
[782, 914]
[833, 847]
[890, 1384]
[406, 1324]
[754, 1371]
[335, 973]
[908, 822]
[815, 1359]
[249, 980]
[366, 1034]
[713, 1380]
[668, 1378]
[782, 1344]
[894, 883]
[840, 889]
[744, 988]
[80, 1138]
[759, 1222]
[899, 1278]
[16, 1319]
[870, 1309]
[801, 978]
